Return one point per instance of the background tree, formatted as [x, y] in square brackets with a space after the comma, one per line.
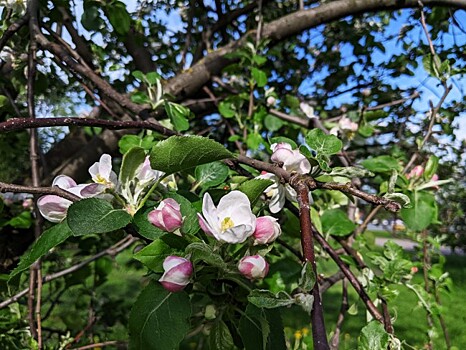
[384, 76]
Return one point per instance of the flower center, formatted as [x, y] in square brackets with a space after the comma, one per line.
[101, 180]
[226, 224]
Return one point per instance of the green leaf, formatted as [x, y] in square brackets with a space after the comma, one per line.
[265, 299]
[432, 64]
[401, 198]
[226, 109]
[422, 213]
[130, 163]
[140, 97]
[183, 152]
[3, 101]
[152, 78]
[138, 75]
[159, 319]
[272, 123]
[279, 139]
[220, 337]
[144, 227]
[211, 174]
[23, 220]
[254, 188]
[381, 164]
[315, 217]
[366, 130]
[308, 277]
[48, 239]
[90, 19]
[373, 336]
[431, 167]
[335, 222]
[202, 251]
[254, 140]
[323, 143]
[93, 215]
[190, 219]
[153, 255]
[262, 329]
[259, 76]
[178, 115]
[118, 16]
[260, 60]
[351, 172]
[129, 141]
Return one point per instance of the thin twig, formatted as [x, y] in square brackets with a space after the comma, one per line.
[335, 341]
[112, 251]
[57, 191]
[12, 29]
[100, 345]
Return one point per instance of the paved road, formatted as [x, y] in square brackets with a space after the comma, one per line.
[410, 245]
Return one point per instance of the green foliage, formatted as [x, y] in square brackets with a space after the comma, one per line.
[261, 329]
[158, 319]
[335, 222]
[254, 188]
[423, 212]
[49, 239]
[183, 152]
[373, 336]
[211, 174]
[94, 215]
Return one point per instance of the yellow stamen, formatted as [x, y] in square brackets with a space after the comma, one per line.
[298, 335]
[226, 224]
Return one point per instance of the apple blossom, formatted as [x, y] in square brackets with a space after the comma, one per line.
[253, 267]
[54, 208]
[134, 189]
[232, 221]
[167, 216]
[177, 273]
[101, 172]
[292, 160]
[417, 171]
[277, 192]
[345, 124]
[267, 230]
[307, 110]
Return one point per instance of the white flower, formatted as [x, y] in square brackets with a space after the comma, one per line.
[134, 189]
[278, 193]
[55, 208]
[101, 172]
[232, 221]
[292, 160]
[345, 124]
[307, 110]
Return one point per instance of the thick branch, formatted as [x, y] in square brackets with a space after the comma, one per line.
[21, 124]
[319, 334]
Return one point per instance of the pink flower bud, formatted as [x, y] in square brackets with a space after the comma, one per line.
[253, 267]
[178, 271]
[434, 177]
[167, 216]
[417, 171]
[267, 230]
[53, 208]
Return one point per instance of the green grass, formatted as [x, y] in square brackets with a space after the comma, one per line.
[410, 324]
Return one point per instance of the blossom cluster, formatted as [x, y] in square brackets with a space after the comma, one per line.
[231, 221]
[105, 185]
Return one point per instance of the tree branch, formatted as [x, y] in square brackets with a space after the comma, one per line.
[112, 251]
[21, 124]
